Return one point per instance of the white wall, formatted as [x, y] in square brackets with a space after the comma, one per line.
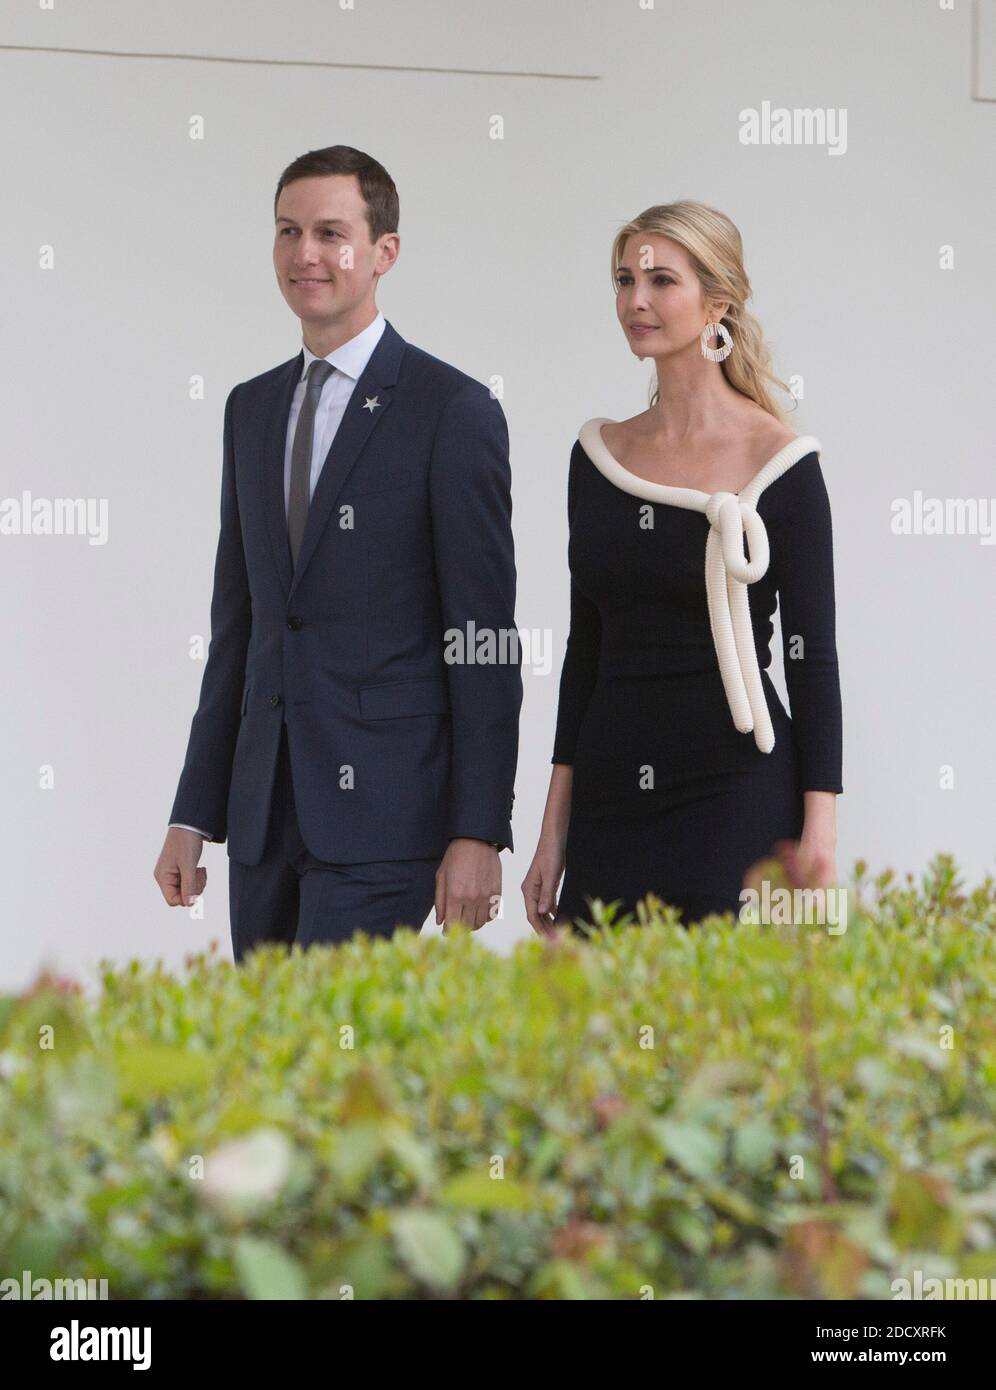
[162, 271]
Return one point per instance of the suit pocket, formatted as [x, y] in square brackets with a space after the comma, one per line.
[401, 699]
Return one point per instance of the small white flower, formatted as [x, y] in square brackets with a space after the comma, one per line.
[253, 1167]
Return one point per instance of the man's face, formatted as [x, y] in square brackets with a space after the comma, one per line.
[326, 264]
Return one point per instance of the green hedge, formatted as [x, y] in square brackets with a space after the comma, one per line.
[810, 1116]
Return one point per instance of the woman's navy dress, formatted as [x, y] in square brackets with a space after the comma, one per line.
[668, 796]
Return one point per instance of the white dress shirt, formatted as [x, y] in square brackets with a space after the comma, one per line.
[349, 360]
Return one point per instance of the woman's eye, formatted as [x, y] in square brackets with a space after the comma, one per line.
[623, 280]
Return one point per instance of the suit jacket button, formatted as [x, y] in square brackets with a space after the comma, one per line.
[295, 624]
[274, 700]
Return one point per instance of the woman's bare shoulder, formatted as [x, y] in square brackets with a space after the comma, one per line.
[767, 435]
[618, 434]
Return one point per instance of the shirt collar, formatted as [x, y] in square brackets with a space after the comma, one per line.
[351, 357]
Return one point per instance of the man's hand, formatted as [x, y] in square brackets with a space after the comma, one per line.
[176, 871]
[468, 884]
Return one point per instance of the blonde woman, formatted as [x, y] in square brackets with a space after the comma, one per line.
[675, 765]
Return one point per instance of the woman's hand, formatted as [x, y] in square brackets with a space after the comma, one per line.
[818, 856]
[540, 885]
[818, 843]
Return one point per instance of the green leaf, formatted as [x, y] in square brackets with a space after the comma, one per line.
[267, 1272]
[692, 1147]
[154, 1070]
[430, 1247]
[414, 1157]
[355, 1153]
[479, 1192]
[754, 1146]
[922, 1214]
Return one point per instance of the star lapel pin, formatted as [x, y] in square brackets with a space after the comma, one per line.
[372, 404]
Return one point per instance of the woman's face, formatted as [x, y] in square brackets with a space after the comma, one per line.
[658, 297]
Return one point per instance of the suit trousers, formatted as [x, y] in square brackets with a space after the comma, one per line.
[292, 897]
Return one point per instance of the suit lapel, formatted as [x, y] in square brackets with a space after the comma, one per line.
[376, 383]
[271, 465]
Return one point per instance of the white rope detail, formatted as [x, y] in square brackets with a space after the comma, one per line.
[731, 516]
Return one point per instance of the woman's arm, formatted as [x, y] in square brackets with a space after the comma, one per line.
[542, 880]
[577, 680]
[807, 610]
[557, 813]
[584, 640]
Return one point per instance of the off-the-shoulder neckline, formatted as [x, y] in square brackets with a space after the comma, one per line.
[591, 441]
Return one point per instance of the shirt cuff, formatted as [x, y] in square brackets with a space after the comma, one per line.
[180, 826]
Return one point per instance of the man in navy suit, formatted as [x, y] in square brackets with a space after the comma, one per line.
[353, 741]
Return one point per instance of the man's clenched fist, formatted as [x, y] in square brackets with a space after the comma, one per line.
[176, 871]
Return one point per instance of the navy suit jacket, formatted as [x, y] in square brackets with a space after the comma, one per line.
[394, 748]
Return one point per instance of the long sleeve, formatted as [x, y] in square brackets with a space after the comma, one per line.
[802, 555]
[580, 668]
[202, 794]
[471, 499]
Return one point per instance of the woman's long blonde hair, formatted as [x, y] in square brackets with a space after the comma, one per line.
[716, 251]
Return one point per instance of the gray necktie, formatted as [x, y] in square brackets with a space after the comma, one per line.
[304, 434]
